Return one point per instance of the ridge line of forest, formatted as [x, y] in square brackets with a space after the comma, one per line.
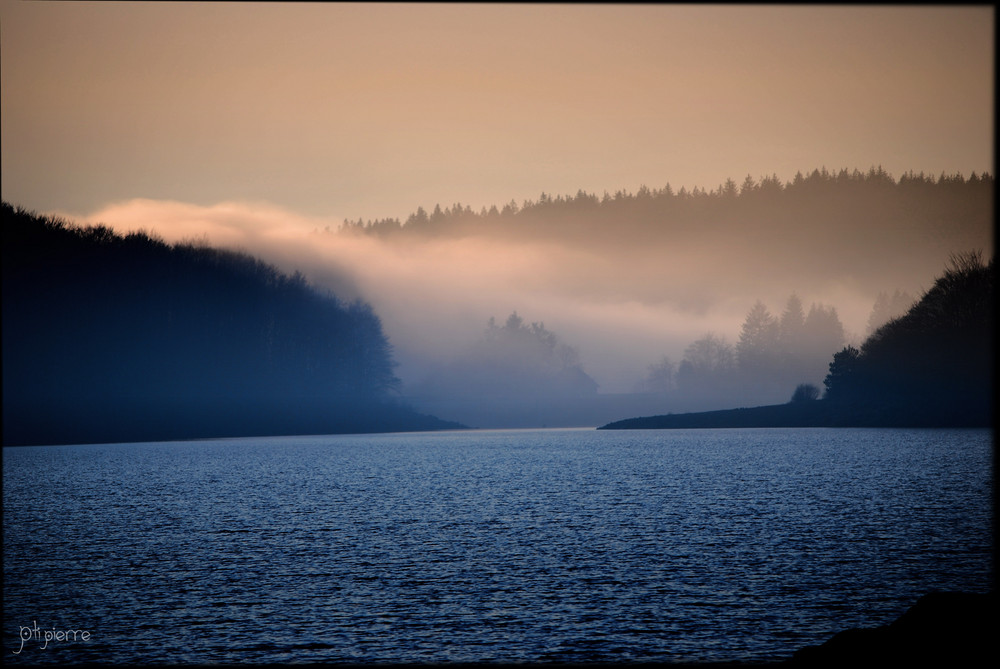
[457, 214]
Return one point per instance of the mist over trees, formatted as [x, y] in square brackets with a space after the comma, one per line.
[123, 337]
[821, 223]
[780, 356]
[771, 357]
[931, 367]
[513, 372]
[615, 270]
[924, 199]
[664, 259]
[515, 359]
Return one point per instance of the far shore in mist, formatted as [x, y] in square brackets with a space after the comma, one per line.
[626, 280]
[582, 310]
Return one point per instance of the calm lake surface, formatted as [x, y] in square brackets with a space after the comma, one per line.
[541, 545]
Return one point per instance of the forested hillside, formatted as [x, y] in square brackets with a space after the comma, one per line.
[827, 225]
[935, 364]
[109, 337]
[847, 195]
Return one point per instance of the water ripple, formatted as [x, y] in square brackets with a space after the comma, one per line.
[711, 545]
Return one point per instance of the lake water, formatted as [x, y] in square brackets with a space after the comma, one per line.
[569, 545]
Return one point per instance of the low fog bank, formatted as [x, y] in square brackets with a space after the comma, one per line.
[623, 307]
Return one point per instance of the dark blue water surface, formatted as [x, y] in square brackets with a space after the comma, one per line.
[569, 545]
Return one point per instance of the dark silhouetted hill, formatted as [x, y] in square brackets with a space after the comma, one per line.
[110, 337]
[932, 367]
[942, 629]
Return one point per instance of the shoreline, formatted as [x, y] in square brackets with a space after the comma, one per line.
[814, 413]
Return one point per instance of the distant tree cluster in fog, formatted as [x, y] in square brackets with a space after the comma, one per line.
[930, 367]
[772, 356]
[839, 236]
[513, 360]
[628, 276]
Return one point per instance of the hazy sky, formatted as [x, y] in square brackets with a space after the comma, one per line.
[369, 110]
[254, 123]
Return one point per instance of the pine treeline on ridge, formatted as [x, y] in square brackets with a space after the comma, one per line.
[838, 208]
[685, 248]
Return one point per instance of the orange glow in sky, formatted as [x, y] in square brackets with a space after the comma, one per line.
[370, 110]
[253, 124]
